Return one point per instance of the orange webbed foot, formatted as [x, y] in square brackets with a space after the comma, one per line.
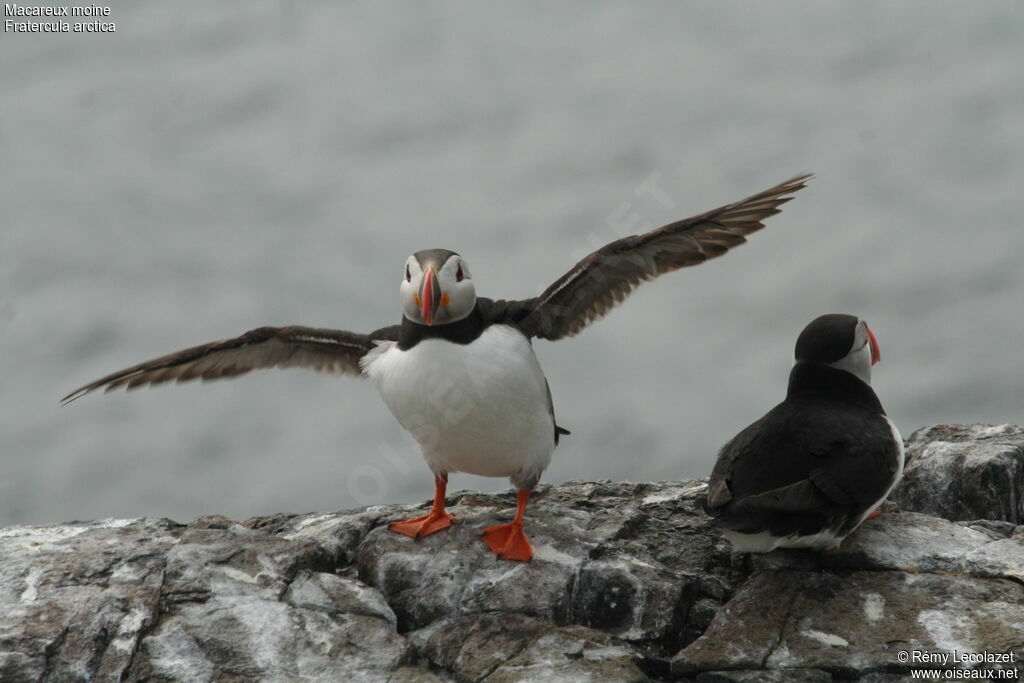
[508, 542]
[873, 514]
[432, 522]
[418, 527]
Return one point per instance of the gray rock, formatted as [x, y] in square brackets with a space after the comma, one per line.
[628, 583]
[965, 472]
[850, 624]
[914, 542]
[763, 676]
[628, 559]
[513, 647]
[75, 599]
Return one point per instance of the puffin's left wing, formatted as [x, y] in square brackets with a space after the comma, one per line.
[858, 471]
[606, 277]
[266, 347]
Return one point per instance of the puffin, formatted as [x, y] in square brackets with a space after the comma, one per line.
[459, 371]
[821, 462]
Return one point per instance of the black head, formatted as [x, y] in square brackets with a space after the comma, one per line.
[841, 341]
[433, 257]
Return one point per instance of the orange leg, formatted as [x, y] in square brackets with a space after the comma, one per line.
[433, 521]
[874, 514]
[508, 541]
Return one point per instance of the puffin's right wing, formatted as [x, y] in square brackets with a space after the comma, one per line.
[607, 276]
[749, 493]
[333, 351]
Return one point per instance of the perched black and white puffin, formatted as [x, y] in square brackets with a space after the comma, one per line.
[821, 462]
[459, 372]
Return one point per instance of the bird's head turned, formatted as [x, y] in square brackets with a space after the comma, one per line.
[841, 341]
[437, 288]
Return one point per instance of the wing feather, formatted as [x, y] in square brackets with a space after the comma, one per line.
[331, 351]
[607, 276]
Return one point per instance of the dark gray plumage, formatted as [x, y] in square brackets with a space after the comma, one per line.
[330, 351]
[606, 277]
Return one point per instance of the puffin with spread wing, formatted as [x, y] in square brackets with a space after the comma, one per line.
[459, 372]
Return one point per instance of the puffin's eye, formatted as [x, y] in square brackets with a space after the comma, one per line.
[408, 275]
[458, 274]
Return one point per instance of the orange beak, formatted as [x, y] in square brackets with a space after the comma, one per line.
[430, 295]
[876, 354]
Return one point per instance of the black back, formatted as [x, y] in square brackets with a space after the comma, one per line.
[816, 461]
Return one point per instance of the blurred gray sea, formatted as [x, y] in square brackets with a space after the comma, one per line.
[217, 166]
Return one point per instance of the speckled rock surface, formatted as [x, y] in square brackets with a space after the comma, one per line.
[965, 472]
[852, 623]
[628, 584]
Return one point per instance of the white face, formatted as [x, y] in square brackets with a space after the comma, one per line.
[437, 293]
[863, 354]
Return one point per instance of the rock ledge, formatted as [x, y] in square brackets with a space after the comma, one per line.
[628, 584]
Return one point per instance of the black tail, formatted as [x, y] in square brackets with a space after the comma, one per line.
[559, 431]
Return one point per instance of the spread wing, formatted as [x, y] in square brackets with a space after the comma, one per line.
[323, 350]
[606, 277]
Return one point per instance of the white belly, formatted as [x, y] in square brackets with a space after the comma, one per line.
[480, 408]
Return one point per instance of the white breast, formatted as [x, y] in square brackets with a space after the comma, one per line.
[899, 469]
[480, 408]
